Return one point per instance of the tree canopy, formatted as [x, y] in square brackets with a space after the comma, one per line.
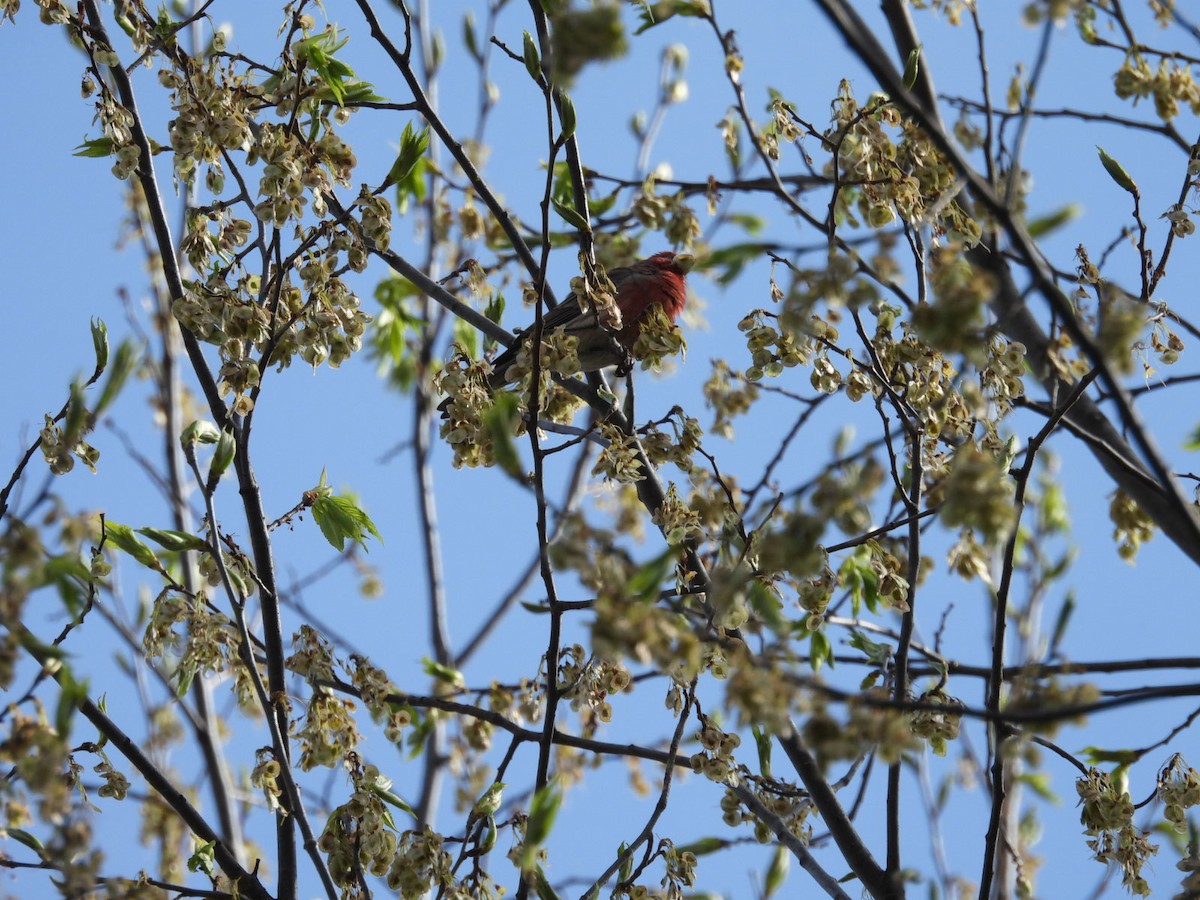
[860, 574]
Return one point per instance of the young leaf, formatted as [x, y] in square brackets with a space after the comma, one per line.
[490, 800]
[95, 149]
[1116, 172]
[533, 61]
[543, 810]
[123, 365]
[571, 216]
[339, 517]
[413, 147]
[912, 67]
[542, 886]
[204, 859]
[175, 541]
[778, 872]
[200, 432]
[73, 694]
[100, 342]
[499, 421]
[222, 457]
[443, 673]
[566, 114]
[123, 538]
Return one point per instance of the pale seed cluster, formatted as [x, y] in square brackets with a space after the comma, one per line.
[1107, 816]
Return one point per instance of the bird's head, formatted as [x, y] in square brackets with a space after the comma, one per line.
[672, 275]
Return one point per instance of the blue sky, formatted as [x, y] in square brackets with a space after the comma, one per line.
[65, 263]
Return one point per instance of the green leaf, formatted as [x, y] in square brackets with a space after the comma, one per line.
[653, 14]
[566, 114]
[200, 432]
[467, 336]
[1062, 620]
[778, 872]
[763, 744]
[571, 216]
[704, 846]
[392, 799]
[647, 580]
[767, 606]
[100, 342]
[820, 651]
[1039, 783]
[495, 308]
[1044, 225]
[879, 654]
[443, 673]
[489, 802]
[1116, 172]
[317, 52]
[1193, 441]
[360, 92]
[533, 60]
[413, 147]
[339, 517]
[912, 67]
[21, 836]
[499, 421]
[123, 538]
[469, 39]
[124, 363]
[542, 886]
[204, 859]
[222, 457]
[1096, 755]
[626, 870]
[95, 149]
[77, 415]
[70, 698]
[175, 541]
[543, 810]
[733, 259]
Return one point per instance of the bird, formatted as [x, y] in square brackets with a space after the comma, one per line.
[660, 279]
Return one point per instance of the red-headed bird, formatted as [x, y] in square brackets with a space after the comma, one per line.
[661, 279]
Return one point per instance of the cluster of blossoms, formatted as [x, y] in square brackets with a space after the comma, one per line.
[265, 777]
[255, 322]
[978, 494]
[790, 805]
[359, 837]
[715, 760]
[200, 639]
[60, 450]
[376, 691]
[588, 683]
[1179, 791]
[772, 349]
[884, 178]
[680, 873]
[1132, 527]
[678, 521]
[669, 215]
[938, 726]
[874, 723]
[522, 703]
[678, 448]
[1171, 84]
[619, 460]
[1107, 816]
[727, 397]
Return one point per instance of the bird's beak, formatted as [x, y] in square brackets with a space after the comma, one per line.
[684, 262]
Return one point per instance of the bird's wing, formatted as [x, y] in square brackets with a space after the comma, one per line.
[568, 316]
